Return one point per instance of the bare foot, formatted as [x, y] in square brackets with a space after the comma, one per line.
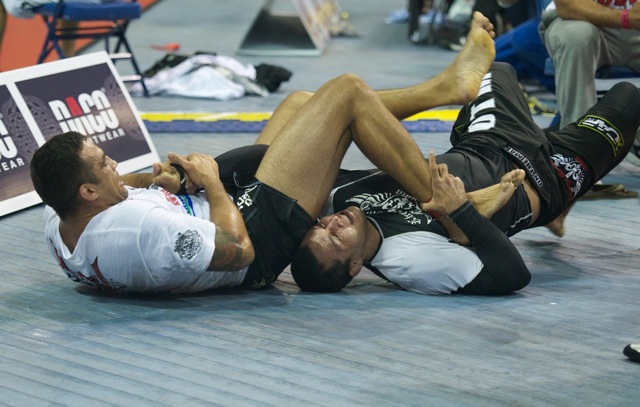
[473, 62]
[516, 177]
[488, 201]
[478, 20]
[556, 226]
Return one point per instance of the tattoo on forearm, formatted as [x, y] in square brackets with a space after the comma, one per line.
[228, 253]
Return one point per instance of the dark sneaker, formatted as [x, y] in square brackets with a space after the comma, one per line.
[632, 351]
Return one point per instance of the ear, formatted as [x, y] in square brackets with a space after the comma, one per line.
[88, 192]
[356, 267]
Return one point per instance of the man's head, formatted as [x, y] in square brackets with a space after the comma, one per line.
[69, 170]
[331, 253]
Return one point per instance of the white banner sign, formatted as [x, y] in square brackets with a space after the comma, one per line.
[83, 94]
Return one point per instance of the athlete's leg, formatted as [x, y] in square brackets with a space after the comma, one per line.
[303, 161]
[458, 84]
[597, 142]
[604, 135]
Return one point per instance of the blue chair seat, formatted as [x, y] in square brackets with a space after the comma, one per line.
[89, 12]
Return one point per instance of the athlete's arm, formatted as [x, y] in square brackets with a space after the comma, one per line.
[448, 194]
[234, 250]
[597, 14]
[504, 269]
[164, 175]
[142, 180]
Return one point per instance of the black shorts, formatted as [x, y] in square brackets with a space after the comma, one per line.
[276, 226]
[275, 222]
[499, 123]
[605, 134]
[482, 168]
[239, 166]
[561, 166]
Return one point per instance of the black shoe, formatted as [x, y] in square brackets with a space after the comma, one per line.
[632, 351]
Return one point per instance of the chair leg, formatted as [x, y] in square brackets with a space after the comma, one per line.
[117, 30]
[136, 68]
[51, 42]
[122, 42]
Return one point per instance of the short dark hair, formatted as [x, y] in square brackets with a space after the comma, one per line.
[312, 276]
[58, 171]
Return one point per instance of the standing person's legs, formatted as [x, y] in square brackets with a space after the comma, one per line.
[575, 47]
[532, 53]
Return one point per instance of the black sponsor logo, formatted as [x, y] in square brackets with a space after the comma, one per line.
[605, 129]
[188, 244]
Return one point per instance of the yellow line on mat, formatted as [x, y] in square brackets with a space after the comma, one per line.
[439, 114]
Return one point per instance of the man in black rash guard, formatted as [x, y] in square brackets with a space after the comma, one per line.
[380, 226]
[494, 134]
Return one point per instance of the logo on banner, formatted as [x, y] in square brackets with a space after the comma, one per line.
[79, 94]
[9, 159]
[90, 114]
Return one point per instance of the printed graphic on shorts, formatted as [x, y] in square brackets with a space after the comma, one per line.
[605, 129]
[481, 117]
[188, 244]
[399, 203]
[245, 199]
[572, 170]
[528, 165]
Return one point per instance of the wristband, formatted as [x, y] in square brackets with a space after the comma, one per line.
[624, 19]
[183, 179]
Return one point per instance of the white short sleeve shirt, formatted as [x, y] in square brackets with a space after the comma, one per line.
[152, 242]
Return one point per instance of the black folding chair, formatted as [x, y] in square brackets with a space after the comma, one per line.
[105, 21]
